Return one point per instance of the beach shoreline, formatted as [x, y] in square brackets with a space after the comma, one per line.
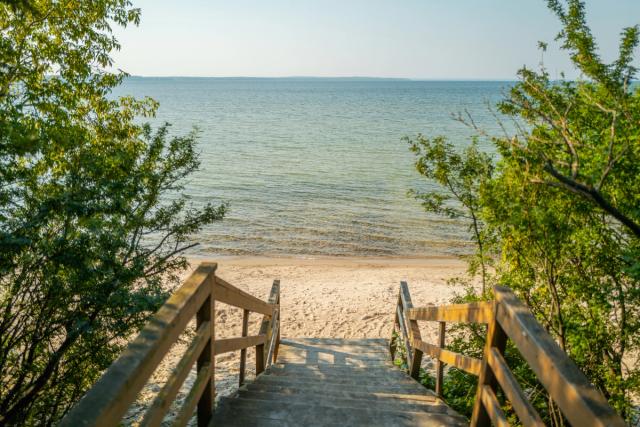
[335, 296]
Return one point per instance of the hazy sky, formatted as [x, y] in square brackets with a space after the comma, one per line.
[431, 39]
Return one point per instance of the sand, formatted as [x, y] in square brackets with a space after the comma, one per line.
[320, 297]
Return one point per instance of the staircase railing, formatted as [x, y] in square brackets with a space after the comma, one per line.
[507, 318]
[109, 399]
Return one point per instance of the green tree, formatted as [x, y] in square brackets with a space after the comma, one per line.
[92, 215]
[561, 206]
[460, 174]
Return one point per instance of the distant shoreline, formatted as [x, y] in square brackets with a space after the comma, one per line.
[318, 78]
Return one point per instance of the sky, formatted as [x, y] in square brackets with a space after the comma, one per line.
[418, 39]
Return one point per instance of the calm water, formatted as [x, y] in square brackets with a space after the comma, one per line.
[317, 166]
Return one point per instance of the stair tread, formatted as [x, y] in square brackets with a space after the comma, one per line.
[361, 384]
[350, 402]
[329, 387]
[330, 381]
[320, 414]
[383, 379]
[427, 398]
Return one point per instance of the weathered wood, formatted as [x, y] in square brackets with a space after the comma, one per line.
[476, 312]
[205, 372]
[492, 406]
[231, 295]
[460, 361]
[277, 345]
[405, 335]
[260, 359]
[265, 327]
[164, 399]
[243, 352]
[578, 400]
[206, 314]
[497, 338]
[413, 328]
[439, 365]
[506, 317]
[273, 299]
[393, 342]
[108, 400]
[512, 390]
[414, 331]
[274, 335]
[234, 344]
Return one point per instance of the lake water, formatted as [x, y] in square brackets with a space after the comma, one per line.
[317, 166]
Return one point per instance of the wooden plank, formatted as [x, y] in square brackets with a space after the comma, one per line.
[405, 335]
[243, 352]
[414, 331]
[277, 345]
[274, 334]
[396, 326]
[108, 400]
[207, 358]
[164, 399]
[260, 359]
[439, 364]
[229, 294]
[578, 399]
[476, 312]
[205, 372]
[273, 299]
[265, 326]
[233, 344]
[512, 390]
[490, 402]
[460, 361]
[497, 338]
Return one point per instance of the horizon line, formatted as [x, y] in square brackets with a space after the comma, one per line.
[470, 79]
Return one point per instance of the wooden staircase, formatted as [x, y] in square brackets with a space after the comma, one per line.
[317, 382]
[329, 382]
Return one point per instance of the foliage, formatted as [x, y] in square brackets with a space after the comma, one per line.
[560, 211]
[461, 175]
[92, 219]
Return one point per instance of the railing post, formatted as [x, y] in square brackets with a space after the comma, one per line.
[413, 332]
[497, 338]
[243, 352]
[269, 337]
[396, 326]
[277, 346]
[266, 328]
[439, 364]
[206, 313]
[259, 359]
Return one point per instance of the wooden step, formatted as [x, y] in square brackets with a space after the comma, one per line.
[322, 382]
[324, 387]
[345, 378]
[324, 351]
[333, 370]
[363, 401]
[320, 414]
[427, 398]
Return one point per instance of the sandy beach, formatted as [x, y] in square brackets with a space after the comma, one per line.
[337, 297]
[320, 297]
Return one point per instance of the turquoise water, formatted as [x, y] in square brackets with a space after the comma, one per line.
[317, 166]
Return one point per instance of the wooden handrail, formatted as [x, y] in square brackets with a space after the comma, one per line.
[475, 312]
[109, 399]
[507, 318]
[266, 328]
